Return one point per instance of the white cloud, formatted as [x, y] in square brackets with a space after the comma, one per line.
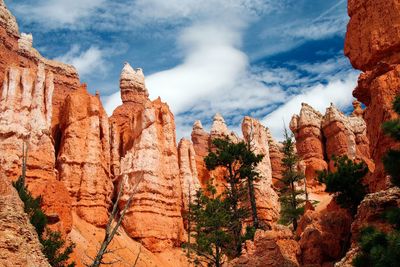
[337, 91]
[58, 13]
[86, 62]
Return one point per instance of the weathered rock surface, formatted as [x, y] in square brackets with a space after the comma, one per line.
[84, 156]
[147, 154]
[25, 119]
[270, 248]
[372, 45]
[275, 156]
[346, 135]
[201, 145]
[369, 213]
[373, 34]
[309, 141]
[266, 198]
[188, 172]
[321, 137]
[19, 243]
[323, 236]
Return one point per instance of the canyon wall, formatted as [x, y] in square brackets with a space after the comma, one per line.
[372, 45]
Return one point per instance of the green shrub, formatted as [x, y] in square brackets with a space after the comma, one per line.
[346, 183]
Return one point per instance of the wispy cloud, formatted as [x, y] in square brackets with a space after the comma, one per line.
[87, 62]
[58, 13]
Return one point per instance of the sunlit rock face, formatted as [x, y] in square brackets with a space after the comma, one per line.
[321, 138]
[346, 135]
[372, 45]
[144, 152]
[25, 121]
[188, 172]
[309, 141]
[83, 160]
[256, 135]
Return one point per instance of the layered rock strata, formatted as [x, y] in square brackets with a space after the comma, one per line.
[144, 151]
[259, 138]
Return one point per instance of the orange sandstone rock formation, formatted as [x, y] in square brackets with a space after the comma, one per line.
[346, 135]
[145, 151]
[372, 45]
[201, 145]
[309, 141]
[267, 201]
[321, 137]
[188, 172]
[270, 248]
[84, 156]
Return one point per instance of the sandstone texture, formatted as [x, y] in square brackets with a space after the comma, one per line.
[309, 141]
[19, 243]
[144, 151]
[319, 138]
[323, 236]
[83, 158]
[275, 156]
[369, 213]
[372, 45]
[270, 248]
[267, 201]
[188, 172]
[201, 145]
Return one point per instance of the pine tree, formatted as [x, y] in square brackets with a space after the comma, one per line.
[391, 160]
[346, 183]
[291, 198]
[239, 163]
[211, 217]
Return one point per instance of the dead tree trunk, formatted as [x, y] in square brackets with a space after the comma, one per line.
[110, 230]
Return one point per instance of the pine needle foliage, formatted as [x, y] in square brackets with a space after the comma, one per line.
[211, 217]
[239, 163]
[291, 199]
[346, 182]
[380, 249]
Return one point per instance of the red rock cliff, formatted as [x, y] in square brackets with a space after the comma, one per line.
[373, 45]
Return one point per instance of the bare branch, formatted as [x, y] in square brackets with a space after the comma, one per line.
[111, 231]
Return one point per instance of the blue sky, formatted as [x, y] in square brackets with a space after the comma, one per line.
[237, 57]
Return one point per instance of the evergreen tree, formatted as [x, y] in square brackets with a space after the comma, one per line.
[239, 163]
[346, 183]
[380, 249]
[391, 160]
[211, 217]
[292, 202]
